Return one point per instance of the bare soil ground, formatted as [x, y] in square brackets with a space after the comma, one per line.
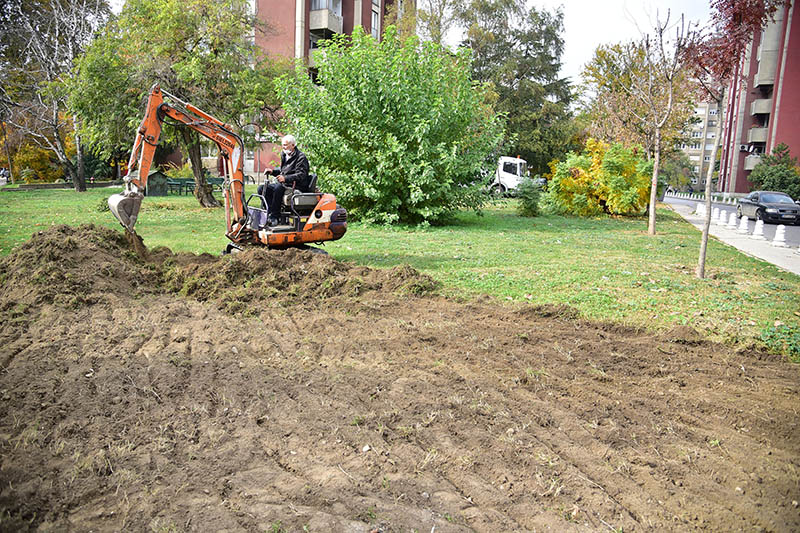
[285, 391]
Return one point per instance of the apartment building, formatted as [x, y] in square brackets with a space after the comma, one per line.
[762, 109]
[700, 144]
[295, 28]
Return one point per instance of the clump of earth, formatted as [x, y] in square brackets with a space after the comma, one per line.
[288, 391]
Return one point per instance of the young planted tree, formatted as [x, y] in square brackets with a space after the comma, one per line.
[41, 41]
[200, 51]
[713, 58]
[614, 114]
[397, 130]
[654, 68]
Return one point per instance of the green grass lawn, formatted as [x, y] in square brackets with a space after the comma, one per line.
[607, 268]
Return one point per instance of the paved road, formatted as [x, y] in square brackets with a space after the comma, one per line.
[792, 232]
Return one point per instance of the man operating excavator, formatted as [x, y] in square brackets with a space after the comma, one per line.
[293, 173]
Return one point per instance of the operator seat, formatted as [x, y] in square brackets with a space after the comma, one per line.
[302, 203]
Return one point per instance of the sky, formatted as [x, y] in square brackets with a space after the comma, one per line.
[590, 23]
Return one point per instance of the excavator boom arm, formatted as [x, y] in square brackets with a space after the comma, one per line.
[125, 206]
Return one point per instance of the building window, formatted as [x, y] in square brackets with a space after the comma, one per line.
[694, 157]
[713, 112]
[710, 135]
[712, 123]
[694, 180]
[707, 158]
[709, 147]
[694, 146]
[376, 18]
[697, 134]
[335, 6]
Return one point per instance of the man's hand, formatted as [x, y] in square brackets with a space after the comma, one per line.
[281, 179]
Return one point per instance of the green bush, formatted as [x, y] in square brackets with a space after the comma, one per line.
[529, 194]
[777, 172]
[397, 130]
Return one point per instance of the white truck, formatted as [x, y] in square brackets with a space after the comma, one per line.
[509, 174]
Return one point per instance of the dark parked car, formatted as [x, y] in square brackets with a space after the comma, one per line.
[769, 206]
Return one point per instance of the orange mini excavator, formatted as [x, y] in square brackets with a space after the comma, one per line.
[305, 217]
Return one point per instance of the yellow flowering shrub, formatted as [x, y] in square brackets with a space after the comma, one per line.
[602, 179]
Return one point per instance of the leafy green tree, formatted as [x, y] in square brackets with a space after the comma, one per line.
[435, 18]
[202, 52]
[777, 172]
[519, 52]
[677, 170]
[397, 130]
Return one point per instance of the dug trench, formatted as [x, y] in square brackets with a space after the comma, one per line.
[287, 391]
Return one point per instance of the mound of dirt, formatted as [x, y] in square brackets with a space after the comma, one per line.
[75, 267]
[72, 267]
[287, 391]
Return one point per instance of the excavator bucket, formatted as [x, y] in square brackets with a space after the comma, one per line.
[125, 208]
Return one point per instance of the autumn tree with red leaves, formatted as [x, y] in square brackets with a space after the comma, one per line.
[713, 58]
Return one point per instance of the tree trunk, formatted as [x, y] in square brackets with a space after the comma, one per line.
[202, 190]
[80, 172]
[701, 262]
[8, 151]
[651, 222]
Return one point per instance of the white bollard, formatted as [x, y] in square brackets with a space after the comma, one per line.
[732, 221]
[743, 226]
[758, 231]
[780, 237]
[715, 215]
[698, 210]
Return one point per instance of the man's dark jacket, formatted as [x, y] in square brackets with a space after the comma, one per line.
[294, 169]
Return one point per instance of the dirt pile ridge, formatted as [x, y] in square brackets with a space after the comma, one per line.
[287, 391]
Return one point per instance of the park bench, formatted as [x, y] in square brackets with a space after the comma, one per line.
[186, 185]
[216, 184]
[174, 186]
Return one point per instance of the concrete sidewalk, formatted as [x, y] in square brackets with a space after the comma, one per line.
[785, 258]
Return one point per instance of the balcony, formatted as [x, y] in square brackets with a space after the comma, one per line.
[326, 15]
[757, 135]
[751, 161]
[761, 107]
